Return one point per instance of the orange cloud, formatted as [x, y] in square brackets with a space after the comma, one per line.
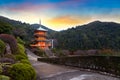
[67, 21]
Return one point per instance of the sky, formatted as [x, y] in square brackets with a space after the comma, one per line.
[61, 14]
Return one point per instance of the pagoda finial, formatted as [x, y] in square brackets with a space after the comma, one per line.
[40, 21]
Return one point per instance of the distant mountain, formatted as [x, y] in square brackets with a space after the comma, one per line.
[17, 23]
[38, 25]
[95, 35]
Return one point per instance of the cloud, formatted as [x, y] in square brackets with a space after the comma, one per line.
[34, 6]
[67, 21]
[27, 7]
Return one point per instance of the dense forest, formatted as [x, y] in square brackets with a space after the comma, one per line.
[95, 35]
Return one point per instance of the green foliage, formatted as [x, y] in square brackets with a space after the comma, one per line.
[20, 71]
[11, 56]
[20, 57]
[25, 61]
[2, 47]
[20, 41]
[3, 77]
[40, 52]
[21, 53]
[106, 52]
[95, 35]
[5, 27]
[21, 48]
[23, 30]
[0, 68]
[58, 52]
[10, 39]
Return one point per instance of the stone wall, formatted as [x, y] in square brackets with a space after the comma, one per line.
[109, 64]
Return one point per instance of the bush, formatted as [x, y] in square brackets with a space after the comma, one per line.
[20, 41]
[20, 71]
[25, 61]
[58, 52]
[7, 60]
[20, 57]
[2, 47]
[21, 48]
[3, 77]
[5, 68]
[10, 40]
[39, 52]
[11, 56]
[106, 52]
[0, 68]
[21, 53]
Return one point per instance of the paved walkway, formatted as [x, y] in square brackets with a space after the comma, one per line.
[47, 71]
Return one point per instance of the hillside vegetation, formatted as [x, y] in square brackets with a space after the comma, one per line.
[23, 30]
[95, 35]
[14, 63]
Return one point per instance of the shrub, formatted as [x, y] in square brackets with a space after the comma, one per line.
[21, 53]
[10, 40]
[21, 48]
[2, 47]
[20, 71]
[106, 52]
[25, 61]
[58, 52]
[3, 77]
[7, 60]
[5, 68]
[39, 52]
[0, 68]
[20, 57]
[11, 56]
[20, 41]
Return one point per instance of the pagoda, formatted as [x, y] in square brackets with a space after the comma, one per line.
[40, 38]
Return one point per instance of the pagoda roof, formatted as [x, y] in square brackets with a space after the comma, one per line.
[41, 29]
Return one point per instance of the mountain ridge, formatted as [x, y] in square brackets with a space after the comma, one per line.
[94, 35]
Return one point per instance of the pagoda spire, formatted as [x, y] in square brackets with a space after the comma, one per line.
[40, 21]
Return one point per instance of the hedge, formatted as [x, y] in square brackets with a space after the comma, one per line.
[25, 61]
[3, 77]
[20, 41]
[21, 53]
[11, 41]
[0, 68]
[2, 47]
[22, 71]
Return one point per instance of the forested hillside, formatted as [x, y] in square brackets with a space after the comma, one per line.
[23, 30]
[95, 35]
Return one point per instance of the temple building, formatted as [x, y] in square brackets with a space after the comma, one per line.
[40, 39]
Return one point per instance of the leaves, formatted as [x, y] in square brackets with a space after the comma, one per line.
[95, 35]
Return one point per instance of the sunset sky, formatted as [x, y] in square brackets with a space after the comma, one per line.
[61, 14]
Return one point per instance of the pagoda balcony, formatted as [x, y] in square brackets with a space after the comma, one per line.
[40, 40]
[40, 35]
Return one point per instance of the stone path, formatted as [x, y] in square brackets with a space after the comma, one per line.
[47, 71]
